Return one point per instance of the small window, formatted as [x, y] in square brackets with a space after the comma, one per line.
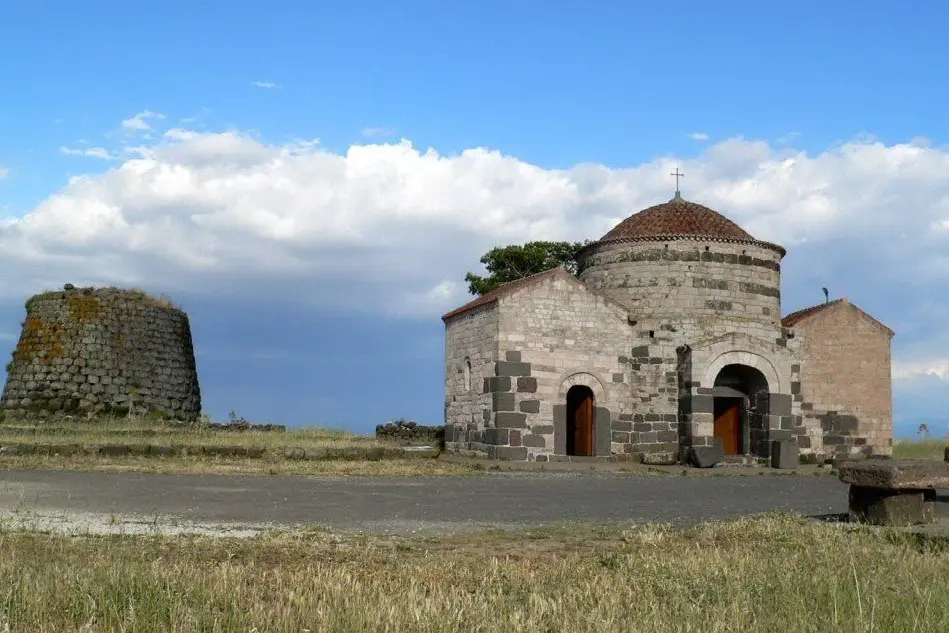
[467, 372]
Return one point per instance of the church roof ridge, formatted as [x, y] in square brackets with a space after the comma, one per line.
[803, 314]
[797, 316]
[504, 289]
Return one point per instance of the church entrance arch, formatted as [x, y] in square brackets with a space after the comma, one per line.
[741, 403]
[581, 415]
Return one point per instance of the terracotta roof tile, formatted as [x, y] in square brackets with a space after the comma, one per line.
[680, 218]
[502, 290]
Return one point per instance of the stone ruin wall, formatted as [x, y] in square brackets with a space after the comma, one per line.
[85, 352]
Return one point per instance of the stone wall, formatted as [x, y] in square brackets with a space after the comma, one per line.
[99, 352]
[471, 348]
[843, 381]
[665, 279]
[566, 335]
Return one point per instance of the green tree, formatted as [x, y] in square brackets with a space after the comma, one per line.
[510, 263]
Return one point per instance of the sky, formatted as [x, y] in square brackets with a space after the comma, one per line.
[311, 181]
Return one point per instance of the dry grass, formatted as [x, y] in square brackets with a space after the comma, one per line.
[136, 431]
[776, 574]
[200, 464]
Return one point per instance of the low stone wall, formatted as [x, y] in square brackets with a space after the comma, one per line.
[410, 431]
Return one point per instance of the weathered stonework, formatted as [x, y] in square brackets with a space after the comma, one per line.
[665, 330]
[102, 351]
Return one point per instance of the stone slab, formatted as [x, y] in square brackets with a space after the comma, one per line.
[896, 474]
[878, 506]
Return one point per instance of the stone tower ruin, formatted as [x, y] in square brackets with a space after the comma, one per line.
[99, 352]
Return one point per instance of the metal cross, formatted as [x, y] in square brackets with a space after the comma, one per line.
[677, 175]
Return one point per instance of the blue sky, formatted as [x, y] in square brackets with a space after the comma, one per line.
[814, 124]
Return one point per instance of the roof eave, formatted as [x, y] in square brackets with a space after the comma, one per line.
[695, 238]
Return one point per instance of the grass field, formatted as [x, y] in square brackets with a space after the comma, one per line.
[198, 449]
[930, 448]
[778, 574]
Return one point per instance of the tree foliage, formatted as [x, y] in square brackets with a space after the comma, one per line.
[510, 263]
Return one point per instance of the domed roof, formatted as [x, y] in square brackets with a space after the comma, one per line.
[677, 217]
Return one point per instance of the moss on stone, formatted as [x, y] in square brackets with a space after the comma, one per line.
[82, 307]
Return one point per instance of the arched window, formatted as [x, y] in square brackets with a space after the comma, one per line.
[467, 372]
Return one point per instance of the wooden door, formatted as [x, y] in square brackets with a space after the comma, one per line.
[583, 427]
[727, 427]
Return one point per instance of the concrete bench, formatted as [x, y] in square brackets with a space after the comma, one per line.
[894, 492]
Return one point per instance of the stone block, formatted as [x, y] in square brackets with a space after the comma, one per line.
[617, 377]
[534, 441]
[703, 404]
[560, 429]
[641, 351]
[509, 369]
[667, 436]
[878, 506]
[501, 401]
[896, 474]
[509, 420]
[620, 436]
[706, 456]
[511, 452]
[780, 404]
[512, 356]
[602, 435]
[543, 429]
[784, 454]
[497, 383]
[659, 459]
[495, 436]
[526, 384]
[529, 406]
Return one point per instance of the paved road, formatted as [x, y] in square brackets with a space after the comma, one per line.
[376, 504]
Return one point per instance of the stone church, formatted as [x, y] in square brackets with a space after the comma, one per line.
[671, 336]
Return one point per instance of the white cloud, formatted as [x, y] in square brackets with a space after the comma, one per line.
[7, 336]
[387, 226]
[139, 122]
[377, 132]
[90, 152]
[268, 85]
[3, 172]
[698, 136]
[910, 370]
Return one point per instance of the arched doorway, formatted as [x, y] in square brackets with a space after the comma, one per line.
[741, 394]
[580, 420]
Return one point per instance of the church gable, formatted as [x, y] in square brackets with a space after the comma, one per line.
[844, 309]
[559, 284]
[491, 298]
